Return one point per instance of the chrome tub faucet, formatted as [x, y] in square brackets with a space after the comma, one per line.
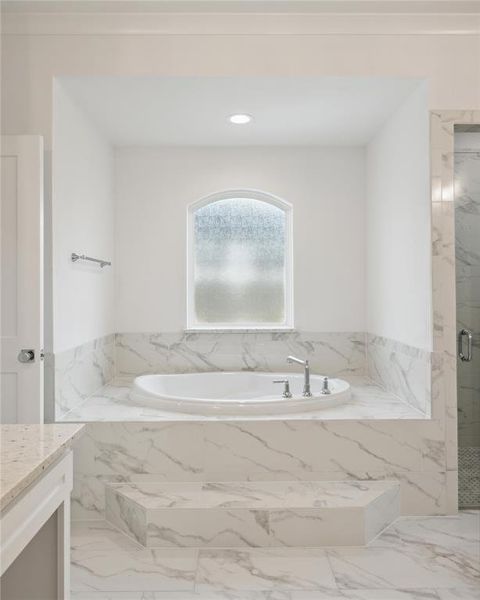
[306, 383]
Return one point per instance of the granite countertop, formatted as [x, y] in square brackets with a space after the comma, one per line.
[27, 450]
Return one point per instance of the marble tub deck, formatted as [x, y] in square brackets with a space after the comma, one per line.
[369, 401]
[416, 558]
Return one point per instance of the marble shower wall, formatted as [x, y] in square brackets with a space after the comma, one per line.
[403, 370]
[81, 371]
[332, 354]
[444, 357]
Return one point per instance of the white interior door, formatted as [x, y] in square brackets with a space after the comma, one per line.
[21, 326]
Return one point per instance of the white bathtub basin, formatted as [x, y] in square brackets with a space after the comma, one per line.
[235, 393]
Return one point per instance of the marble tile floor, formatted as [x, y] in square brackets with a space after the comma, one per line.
[416, 558]
[368, 401]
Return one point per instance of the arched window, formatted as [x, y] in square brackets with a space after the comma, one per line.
[240, 262]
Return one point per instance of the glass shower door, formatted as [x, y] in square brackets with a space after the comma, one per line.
[467, 249]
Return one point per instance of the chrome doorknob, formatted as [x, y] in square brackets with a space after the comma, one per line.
[26, 355]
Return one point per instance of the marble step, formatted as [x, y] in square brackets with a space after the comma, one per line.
[255, 514]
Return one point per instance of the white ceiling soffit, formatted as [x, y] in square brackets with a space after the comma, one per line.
[194, 111]
[241, 17]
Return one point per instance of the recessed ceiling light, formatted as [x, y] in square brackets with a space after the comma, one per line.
[240, 119]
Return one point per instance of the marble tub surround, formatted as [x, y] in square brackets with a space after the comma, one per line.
[397, 373]
[401, 369]
[407, 451]
[27, 450]
[81, 371]
[333, 354]
[368, 401]
[258, 514]
[434, 558]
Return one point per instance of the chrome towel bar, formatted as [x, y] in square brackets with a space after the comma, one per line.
[102, 263]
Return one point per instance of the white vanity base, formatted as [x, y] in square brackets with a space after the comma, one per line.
[43, 509]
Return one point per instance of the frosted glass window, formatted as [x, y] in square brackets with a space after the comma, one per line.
[239, 263]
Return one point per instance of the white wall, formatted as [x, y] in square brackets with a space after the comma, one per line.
[35, 51]
[451, 63]
[83, 222]
[155, 186]
[398, 226]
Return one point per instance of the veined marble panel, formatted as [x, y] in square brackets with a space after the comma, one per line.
[403, 370]
[215, 528]
[412, 452]
[288, 447]
[256, 514]
[263, 569]
[440, 552]
[191, 451]
[175, 450]
[332, 354]
[81, 371]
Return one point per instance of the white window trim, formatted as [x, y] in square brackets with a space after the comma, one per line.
[192, 323]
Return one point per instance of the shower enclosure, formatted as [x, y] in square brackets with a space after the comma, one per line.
[467, 253]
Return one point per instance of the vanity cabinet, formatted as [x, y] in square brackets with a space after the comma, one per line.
[35, 521]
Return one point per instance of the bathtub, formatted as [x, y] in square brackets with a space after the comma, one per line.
[235, 393]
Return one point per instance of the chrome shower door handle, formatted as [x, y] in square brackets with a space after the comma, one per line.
[469, 335]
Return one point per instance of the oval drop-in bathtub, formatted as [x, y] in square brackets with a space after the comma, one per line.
[235, 393]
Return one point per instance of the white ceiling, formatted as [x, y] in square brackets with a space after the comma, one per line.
[236, 6]
[194, 110]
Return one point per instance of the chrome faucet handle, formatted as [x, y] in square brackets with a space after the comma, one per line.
[325, 388]
[286, 389]
[307, 393]
[294, 359]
